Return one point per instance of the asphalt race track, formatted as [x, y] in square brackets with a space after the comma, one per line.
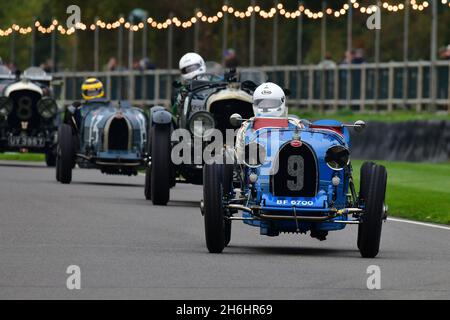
[127, 248]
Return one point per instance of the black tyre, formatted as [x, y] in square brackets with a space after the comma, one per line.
[57, 171]
[215, 232]
[147, 190]
[364, 177]
[160, 179]
[372, 218]
[227, 190]
[50, 157]
[65, 154]
[227, 232]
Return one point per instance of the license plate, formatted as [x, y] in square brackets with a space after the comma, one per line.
[25, 141]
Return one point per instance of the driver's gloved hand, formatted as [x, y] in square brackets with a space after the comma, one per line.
[72, 109]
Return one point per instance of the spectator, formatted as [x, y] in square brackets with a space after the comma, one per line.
[12, 66]
[447, 53]
[230, 59]
[145, 64]
[111, 65]
[136, 65]
[348, 58]
[328, 62]
[358, 56]
[47, 66]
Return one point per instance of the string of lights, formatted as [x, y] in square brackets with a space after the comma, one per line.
[201, 17]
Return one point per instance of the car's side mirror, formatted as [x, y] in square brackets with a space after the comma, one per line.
[176, 84]
[359, 126]
[287, 92]
[236, 120]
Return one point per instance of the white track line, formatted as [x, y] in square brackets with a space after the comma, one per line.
[420, 223]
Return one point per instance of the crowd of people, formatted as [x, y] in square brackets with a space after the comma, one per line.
[354, 56]
[141, 65]
[230, 61]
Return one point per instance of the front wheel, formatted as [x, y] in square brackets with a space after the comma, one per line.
[148, 190]
[217, 230]
[65, 154]
[160, 169]
[372, 218]
[364, 179]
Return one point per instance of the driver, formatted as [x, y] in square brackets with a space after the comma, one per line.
[192, 66]
[93, 93]
[270, 110]
[92, 89]
[269, 101]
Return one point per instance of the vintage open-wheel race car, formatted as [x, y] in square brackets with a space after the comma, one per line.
[208, 105]
[28, 113]
[293, 176]
[101, 135]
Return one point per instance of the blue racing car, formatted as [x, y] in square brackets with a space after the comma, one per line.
[288, 175]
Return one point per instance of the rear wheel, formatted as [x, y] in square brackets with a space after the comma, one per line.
[370, 228]
[50, 157]
[65, 154]
[227, 230]
[57, 171]
[160, 169]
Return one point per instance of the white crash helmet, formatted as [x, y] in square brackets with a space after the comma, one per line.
[269, 100]
[191, 66]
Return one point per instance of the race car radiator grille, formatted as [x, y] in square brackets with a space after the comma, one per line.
[119, 135]
[24, 109]
[297, 174]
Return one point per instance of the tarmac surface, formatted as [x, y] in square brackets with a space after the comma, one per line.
[126, 248]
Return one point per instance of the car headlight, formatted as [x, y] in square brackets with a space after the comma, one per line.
[6, 106]
[337, 157]
[201, 123]
[255, 155]
[47, 107]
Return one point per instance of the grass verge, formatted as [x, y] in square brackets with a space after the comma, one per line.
[22, 157]
[350, 116]
[417, 191]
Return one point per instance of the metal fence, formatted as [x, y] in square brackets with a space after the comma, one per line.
[361, 87]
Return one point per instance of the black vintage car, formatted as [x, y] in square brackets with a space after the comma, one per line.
[28, 113]
[209, 101]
